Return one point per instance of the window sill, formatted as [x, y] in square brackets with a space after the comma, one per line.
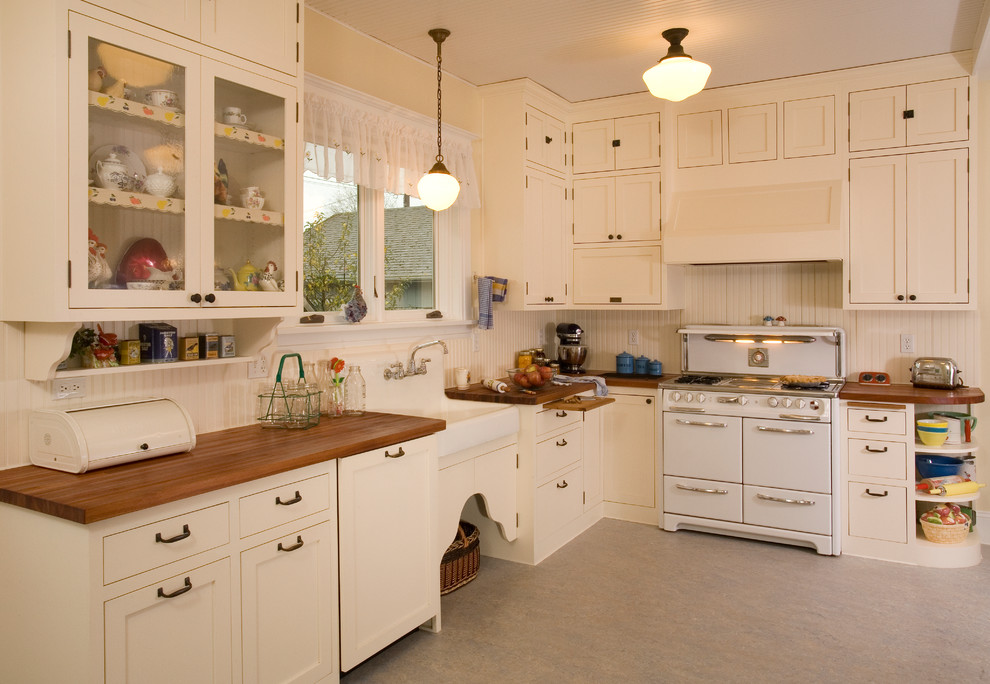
[296, 335]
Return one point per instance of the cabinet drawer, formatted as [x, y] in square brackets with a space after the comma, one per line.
[876, 420]
[557, 452]
[164, 541]
[878, 512]
[558, 502]
[703, 498]
[877, 458]
[787, 509]
[554, 419]
[272, 507]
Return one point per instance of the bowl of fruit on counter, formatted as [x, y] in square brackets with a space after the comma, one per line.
[530, 377]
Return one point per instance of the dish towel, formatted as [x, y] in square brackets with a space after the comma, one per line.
[485, 319]
[500, 287]
[601, 389]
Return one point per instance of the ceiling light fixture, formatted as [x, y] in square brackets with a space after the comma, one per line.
[676, 76]
[438, 189]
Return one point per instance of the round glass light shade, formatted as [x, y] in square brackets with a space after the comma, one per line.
[677, 78]
[438, 189]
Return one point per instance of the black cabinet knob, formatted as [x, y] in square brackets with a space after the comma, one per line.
[912, 297]
[611, 237]
[618, 237]
[195, 298]
[211, 298]
[900, 298]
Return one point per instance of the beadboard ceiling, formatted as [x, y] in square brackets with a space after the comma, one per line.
[586, 49]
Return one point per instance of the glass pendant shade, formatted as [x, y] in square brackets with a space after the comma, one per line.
[677, 78]
[438, 189]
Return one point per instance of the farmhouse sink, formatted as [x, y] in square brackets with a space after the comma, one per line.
[469, 423]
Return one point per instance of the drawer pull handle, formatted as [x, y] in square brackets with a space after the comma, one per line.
[288, 502]
[876, 420]
[186, 586]
[699, 423]
[885, 492]
[562, 486]
[298, 545]
[562, 442]
[702, 490]
[561, 414]
[794, 416]
[179, 537]
[398, 455]
[799, 502]
[789, 431]
[730, 400]
[876, 451]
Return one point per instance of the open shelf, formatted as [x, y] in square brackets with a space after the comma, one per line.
[936, 498]
[963, 554]
[964, 448]
[246, 135]
[228, 213]
[140, 110]
[126, 199]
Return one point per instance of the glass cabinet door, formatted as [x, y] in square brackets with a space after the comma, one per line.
[250, 255]
[134, 193]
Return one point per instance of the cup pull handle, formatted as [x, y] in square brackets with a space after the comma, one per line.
[876, 451]
[562, 442]
[876, 420]
[885, 492]
[562, 486]
[288, 502]
[298, 545]
[186, 586]
[561, 414]
[398, 455]
[171, 540]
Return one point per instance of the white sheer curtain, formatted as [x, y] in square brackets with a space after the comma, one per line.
[355, 141]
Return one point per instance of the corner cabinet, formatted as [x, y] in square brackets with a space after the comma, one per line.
[145, 198]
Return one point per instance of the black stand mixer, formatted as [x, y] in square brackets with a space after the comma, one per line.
[570, 352]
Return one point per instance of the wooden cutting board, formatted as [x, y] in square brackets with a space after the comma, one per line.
[579, 403]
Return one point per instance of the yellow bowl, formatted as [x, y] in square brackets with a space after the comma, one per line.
[933, 439]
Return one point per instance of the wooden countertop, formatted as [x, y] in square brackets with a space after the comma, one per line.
[477, 392]
[909, 394]
[220, 459]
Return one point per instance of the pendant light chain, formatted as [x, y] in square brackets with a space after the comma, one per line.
[439, 107]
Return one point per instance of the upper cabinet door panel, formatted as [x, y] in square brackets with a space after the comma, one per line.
[876, 119]
[877, 225]
[592, 141]
[639, 141]
[699, 139]
[753, 133]
[262, 31]
[544, 139]
[178, 16]
[809, 127]
[637, 207]
[941, 111]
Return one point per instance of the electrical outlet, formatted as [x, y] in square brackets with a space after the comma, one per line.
[539, 337]
[475, 342]
[907, 344]
[258, 367]
[65, 388]
[633, 338]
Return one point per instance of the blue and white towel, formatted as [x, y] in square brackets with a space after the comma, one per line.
[486, 320]
[500, 287]
[601, 389]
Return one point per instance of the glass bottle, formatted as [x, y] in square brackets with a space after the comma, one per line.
[335, 402]
[354, 392]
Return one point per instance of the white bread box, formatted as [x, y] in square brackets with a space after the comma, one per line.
[96, 436]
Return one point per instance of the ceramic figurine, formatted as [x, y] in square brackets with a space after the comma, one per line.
[99, 270]
[357, 308]
[220, 180]
[96, 77]
[268, 280]
[117, 89]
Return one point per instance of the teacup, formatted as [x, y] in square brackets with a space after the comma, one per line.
[234, 115]
[162, 98]
[251, 198]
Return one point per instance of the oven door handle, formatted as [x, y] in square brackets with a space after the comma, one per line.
[790, 431]
[685, 409]
[699, 423]
[730, 400]
[799, 502]
[702, 490]
[794, 416]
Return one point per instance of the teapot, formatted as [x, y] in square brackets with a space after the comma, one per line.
[112, 173]
[246, 278]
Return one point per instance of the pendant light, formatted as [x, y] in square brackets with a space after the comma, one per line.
[438, 189]
[676, 76]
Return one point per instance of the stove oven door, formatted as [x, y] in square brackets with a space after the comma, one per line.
[787, 454]
[702, 446]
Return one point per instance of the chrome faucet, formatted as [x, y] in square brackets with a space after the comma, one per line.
[396, 371]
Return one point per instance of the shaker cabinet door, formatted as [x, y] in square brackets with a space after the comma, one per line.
[263, 31]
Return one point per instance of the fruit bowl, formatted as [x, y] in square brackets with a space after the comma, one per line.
[531, 377]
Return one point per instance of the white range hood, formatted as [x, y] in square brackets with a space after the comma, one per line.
[768, 223]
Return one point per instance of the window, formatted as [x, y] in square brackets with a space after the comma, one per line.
[331, 245]
[409, 254]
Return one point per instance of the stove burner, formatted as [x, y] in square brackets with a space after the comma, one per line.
[804, 385]
[698, 380]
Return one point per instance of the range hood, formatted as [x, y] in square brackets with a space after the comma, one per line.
[767, 223]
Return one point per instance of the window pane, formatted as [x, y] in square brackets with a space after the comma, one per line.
[330, 243]
[409, 253]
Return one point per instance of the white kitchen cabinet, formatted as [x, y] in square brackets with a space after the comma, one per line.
[809, 127]
[627, 274]
[197, 247]
[262, 31]
[288, 607]
[175, 630]
[752, 133]
[545, 140]
[617, 208]
[909, 241]
[699, 139]
[542, 254]
[629, 142]
[593, 456]
[389, 578]
[630, 438]
[915, 114]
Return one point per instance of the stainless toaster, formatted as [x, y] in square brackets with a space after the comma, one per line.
[936, 372]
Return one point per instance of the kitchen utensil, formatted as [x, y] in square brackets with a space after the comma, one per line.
[570, 352]
[133, 167]
[293, 405]
[937, 465]
[625, 363]
[939, 372]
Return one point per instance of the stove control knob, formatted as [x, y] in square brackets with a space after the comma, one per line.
[701, 398]
[689, 397]
[800, 403]
[772, 402]
[743, 401]
[676, 396]
[814, 404]
[787, 403]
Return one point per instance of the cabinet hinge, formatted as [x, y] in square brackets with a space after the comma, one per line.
[517, 461]
[297, 112]
[297, 52]
[297, 12]
[527, 287]
[565, 191]
[565, 289]
[850, 285]
[527, 181]
[69, 33]
[526, 144]
[967, 285]
[297, 281]
[584, 498]
[517, 521]
[68, 272]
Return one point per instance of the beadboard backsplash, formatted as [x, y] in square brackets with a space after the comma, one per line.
[220, 397]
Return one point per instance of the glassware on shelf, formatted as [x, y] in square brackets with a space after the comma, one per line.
[354, 392]
[335, 398]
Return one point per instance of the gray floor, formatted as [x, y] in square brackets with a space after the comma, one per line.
[631, 603]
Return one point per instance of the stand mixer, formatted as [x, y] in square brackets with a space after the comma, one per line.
[570, 352]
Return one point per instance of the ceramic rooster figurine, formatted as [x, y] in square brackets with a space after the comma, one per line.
[99, 270]
[357, 308]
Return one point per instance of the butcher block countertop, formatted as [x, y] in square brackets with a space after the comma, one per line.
[220, 459]
[909, 394]
[477, 392]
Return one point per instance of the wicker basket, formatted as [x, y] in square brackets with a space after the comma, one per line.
[944, 534]
[461, 559]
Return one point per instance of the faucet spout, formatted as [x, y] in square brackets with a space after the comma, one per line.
[421, 370]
